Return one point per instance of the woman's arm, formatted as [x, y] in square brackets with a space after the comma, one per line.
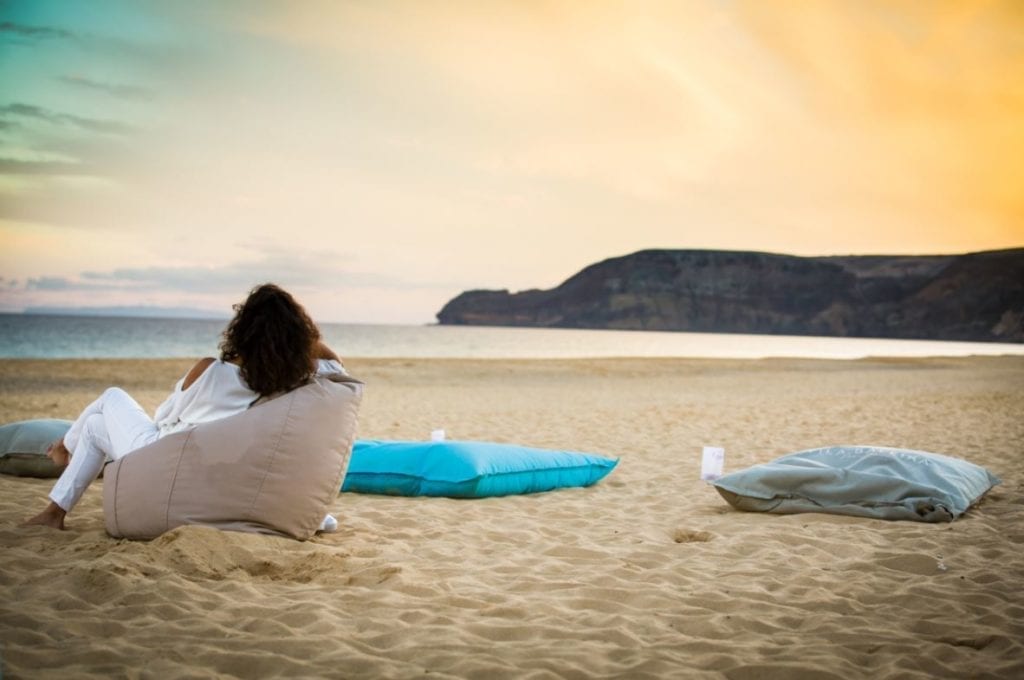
[322, 351]
[195, 372]
[166, 409]
[326, 361]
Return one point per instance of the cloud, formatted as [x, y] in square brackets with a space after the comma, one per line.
[14, 166]
[327, 283]
[152, 54]
[50, 283]
[294, 270]
[24, 31]
[311, 270]
[184, 279]
[58, 118]
[130, 92]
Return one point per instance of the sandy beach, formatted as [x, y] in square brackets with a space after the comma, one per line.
[648, 574]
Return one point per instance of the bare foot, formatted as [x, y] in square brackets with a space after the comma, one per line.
[59, 453]
[52, 516]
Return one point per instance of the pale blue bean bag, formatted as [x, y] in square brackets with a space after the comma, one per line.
[460, 469]
[23, 447]
[864, 481]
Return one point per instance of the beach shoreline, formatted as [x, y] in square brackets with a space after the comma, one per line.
[649, 573]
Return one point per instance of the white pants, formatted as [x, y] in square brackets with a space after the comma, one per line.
[111, 427]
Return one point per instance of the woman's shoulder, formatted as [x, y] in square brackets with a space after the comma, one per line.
[196, 371]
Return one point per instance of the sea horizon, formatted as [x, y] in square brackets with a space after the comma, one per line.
[47, 336]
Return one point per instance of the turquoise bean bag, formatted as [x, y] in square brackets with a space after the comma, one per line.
[461, 469]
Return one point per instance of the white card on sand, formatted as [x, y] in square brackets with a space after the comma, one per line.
[712, 463]
[437, 435]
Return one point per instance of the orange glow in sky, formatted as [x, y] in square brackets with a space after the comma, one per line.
[379, 158]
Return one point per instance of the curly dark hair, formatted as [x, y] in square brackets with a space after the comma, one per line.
[273, 340]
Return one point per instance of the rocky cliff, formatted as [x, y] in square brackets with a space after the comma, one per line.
[977, 296]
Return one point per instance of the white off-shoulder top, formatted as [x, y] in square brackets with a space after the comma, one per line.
[217, 393]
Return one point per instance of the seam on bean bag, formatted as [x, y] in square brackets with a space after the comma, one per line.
[346, 445]
[273, 456]
[174, 480]
[116, 469]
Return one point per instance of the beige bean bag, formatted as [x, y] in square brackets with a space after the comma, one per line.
[273, 469]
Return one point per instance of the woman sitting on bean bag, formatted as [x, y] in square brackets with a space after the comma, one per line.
[271, 346]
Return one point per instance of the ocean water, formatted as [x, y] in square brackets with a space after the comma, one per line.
[39, 336]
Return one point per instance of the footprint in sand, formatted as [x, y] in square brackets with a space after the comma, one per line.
[373, 576]
[923, 565]
[691, 536]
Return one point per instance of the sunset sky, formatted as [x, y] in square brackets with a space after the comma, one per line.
[378, 157]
